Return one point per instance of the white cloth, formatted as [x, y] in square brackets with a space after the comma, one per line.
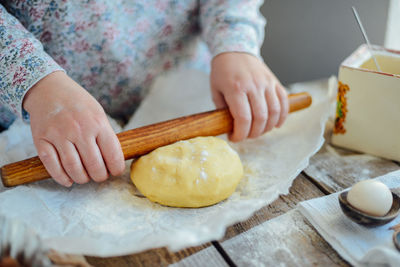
[109, 219]
[358, 245]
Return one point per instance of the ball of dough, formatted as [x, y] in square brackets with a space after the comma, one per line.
[194, 173]
[370, 196]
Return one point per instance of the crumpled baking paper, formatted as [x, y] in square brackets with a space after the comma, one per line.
[19, 242]
[113, 218]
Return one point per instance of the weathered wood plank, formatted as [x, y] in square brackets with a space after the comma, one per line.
[261, 240]
[153, 257]
[207, 257]
[287, 240]
[302, 189]
[335, 169]
[317, 251]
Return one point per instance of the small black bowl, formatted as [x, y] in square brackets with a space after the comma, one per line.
[365, 219]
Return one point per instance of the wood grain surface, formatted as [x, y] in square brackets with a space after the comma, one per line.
[302, 189]
[154, 257]
[287, 240]
[207, 257]
[300, 246]
[335, 169]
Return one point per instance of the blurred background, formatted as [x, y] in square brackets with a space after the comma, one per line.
[308, 39]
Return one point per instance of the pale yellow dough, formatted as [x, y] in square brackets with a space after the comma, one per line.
[195, 173]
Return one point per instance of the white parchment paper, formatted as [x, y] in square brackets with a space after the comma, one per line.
[112, 218]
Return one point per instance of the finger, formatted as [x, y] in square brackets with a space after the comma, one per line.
[92, 160]
[284, 102]
[49, 157]
[111, 151]
[72, 163]
[259, 112]
[240, 110]
[218, 99]
[274, 108]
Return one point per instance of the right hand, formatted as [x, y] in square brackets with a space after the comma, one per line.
[71, 132]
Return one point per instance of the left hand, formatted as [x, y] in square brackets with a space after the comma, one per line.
[255, 97]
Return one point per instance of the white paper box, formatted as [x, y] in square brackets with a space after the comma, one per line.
[368, 111]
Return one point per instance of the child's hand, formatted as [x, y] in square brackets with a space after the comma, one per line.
[255, 97]
[71, 132]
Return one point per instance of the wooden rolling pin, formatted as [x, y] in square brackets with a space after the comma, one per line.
[137, 142]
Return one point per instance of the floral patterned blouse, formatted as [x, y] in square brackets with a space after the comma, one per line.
[115, 48]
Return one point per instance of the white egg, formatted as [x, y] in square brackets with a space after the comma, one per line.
[370, 196]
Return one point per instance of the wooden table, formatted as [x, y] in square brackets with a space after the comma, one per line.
[276, 234]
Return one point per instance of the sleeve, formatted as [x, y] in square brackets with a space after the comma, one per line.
[232, 25]
[23, 62]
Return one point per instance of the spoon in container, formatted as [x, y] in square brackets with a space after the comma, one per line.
[364, 33]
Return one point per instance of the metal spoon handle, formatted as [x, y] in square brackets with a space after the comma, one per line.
[364, 33]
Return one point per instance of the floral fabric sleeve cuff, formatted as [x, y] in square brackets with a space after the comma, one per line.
[232, 26]
[23, 62]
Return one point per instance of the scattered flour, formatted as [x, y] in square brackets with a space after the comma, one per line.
[203, 174]
[204, 153]
[89, 211]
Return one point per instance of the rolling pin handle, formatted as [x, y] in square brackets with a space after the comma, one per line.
[137, 142]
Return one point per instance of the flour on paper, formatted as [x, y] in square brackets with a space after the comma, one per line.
[112, 218]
